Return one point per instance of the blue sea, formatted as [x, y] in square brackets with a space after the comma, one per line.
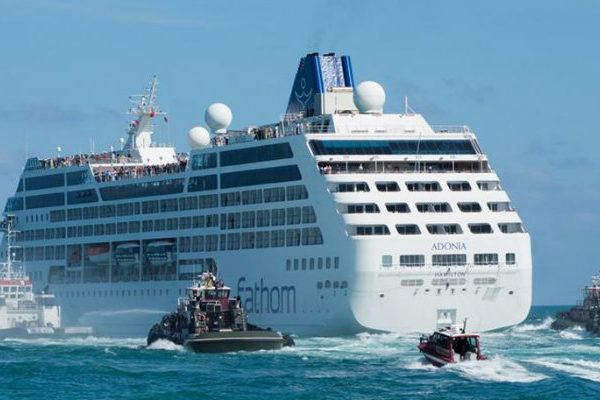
[528, 361]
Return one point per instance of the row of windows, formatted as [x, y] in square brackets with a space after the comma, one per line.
[401, 147]
[434, 229]
[332, 285]
[418, 260]
[255, 196]
[144, 189]
[369, 208]
[260, 176]
[275, 217]
[252, 240]
[303, 264]
[55, 180]
[411, 186]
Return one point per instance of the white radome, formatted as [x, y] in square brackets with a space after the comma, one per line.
[369, 97]
[218, 117]
[198, 137]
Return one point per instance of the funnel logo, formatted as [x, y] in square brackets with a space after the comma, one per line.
[304, 96]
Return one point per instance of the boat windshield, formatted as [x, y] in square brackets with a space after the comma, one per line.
[217, 294]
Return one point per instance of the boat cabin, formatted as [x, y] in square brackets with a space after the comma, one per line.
[451, 346]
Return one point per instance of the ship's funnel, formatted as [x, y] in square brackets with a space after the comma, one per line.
[317, 75]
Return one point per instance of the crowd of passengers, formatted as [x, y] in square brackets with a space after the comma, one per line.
[127, 172]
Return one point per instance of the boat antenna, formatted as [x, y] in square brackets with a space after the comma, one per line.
[464, 329]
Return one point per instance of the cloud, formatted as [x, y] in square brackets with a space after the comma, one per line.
[49, 113]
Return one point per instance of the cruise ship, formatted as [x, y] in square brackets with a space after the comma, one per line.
[336, 219]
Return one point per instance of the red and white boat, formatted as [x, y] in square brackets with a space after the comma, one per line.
[451, 345]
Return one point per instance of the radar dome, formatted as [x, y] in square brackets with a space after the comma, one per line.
[218, 117]
[369, 97]
[198, 137]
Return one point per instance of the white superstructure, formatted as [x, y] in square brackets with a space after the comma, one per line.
[335, 219]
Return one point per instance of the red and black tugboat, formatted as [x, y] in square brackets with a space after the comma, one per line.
[208, 321]
[450, 345]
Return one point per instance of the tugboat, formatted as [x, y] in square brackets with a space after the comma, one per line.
[23, 313]
[451, 345]
[209, 321]
[585, 314]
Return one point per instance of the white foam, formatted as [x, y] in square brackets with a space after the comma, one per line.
[91, 341]
[420, 365]
[495, 370]
[570, 335]
[162, 344]
[584, 369]
[534, 327]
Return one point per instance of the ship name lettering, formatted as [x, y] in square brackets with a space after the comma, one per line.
[264, 299]
[449, 246]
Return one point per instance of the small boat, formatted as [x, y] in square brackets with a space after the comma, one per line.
[209, 321]
[585, 314]
[451, 345]
[23, 313]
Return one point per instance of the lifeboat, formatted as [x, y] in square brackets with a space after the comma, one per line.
[451, 345]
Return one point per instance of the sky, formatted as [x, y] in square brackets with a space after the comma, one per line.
[522, 74]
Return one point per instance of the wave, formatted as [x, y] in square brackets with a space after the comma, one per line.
[567, 334]
[90, 341]
[162, 344]
[545, 325]
[585, 369]
[495, 370]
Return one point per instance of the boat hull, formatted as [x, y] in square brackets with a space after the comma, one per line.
[226, 342]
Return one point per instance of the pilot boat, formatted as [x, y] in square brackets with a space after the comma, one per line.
[450, 345]
[207, 320]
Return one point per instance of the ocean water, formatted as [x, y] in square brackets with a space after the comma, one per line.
[528, 361]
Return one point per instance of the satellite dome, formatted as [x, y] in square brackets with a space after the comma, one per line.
[369, 97]
[198, 137]
[218, 117]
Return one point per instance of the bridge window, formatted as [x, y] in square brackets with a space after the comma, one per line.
[423, 186]
[434, 207]
[397, 207]
[486, 259]
[409, 229]
[459, 186]
[44, 182]
[387, 186]
[480, 228]
[469, 207]
[444, 229]
[412, 260]
[447, 260]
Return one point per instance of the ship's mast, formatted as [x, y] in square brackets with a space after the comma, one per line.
[143, 109]
[8, 269]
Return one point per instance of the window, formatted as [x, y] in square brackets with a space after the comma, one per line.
[294, 215]
[369, 208]
[292, 237]
[386, 260]
[247, 240]
[202, 183]
[480, 228]
[387, 186]
[45, 200]
[397, 207]
[44, 182]
[256, 154]
[230, 199]
[248, 219]
[488, 185]
[349, 187]
[500, 206]
[423, 186]
[444, 229]
[412, 260]
[409, 229]
[459, 186]
[469, 207]
[402, 147]
[260, 176]
[155, 188]
[262, 239]
[204, 161]
[188, 203]
[311, 236]
[278, 217]
[78, 177]
[308, 215]
[263, 218]
[449, 259]
[486, 259]
[208, 201]
[511, 259]
[297, 192]
[168, 205]
[273, 195]
[82, 196]
[434, 207]
[14, 204]
[252, 196]
[278, 238]
[368, 230]
[74, 214]
[511, 227]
